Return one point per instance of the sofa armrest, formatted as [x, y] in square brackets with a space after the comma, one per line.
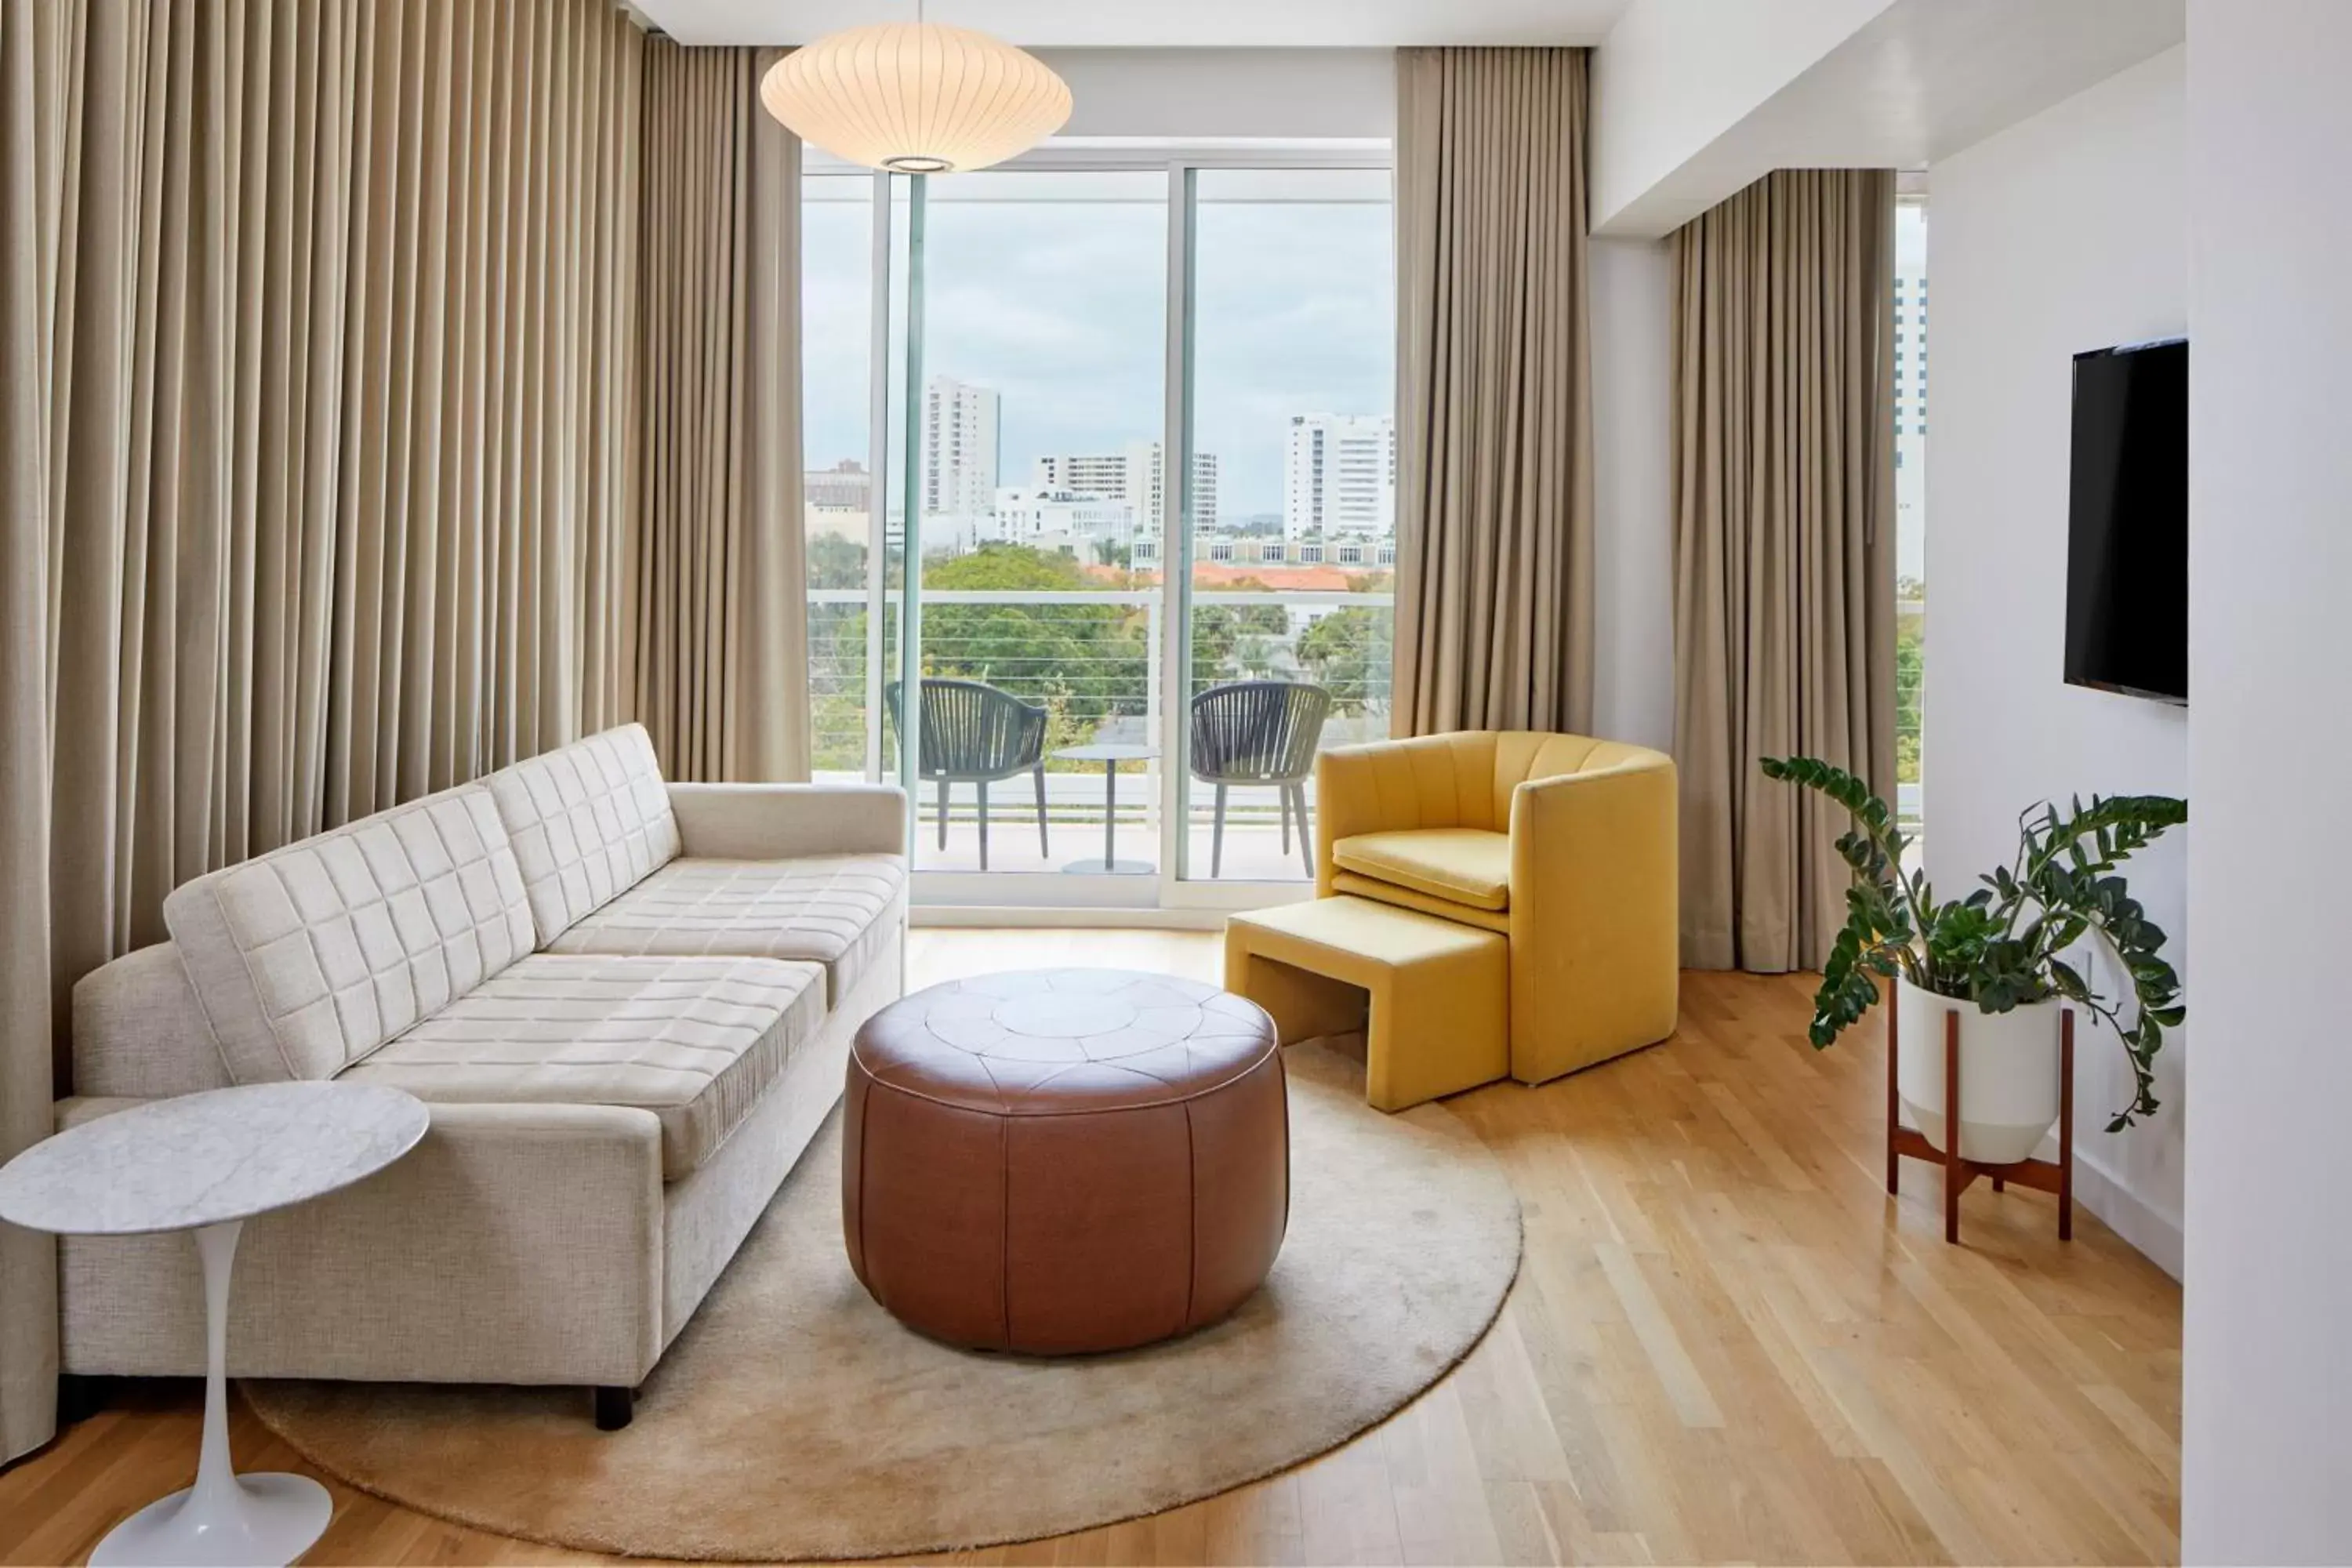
[514, 1244]
[1593, 899]
[779, 821]
[138, 1029]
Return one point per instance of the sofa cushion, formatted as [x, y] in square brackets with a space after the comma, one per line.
[696, 1041]
[835, 909]
[309, 957]
[1460, 865]
[588, 821]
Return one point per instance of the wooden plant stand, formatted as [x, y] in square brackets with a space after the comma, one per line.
[2044, 1175]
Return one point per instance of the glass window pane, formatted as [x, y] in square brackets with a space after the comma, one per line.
[1294, 511]
[837, 315]
[1910, 518]
[1040, 420]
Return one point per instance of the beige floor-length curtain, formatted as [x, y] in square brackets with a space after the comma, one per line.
[1784, 551]
[318, 320]
[720, 661]
[35, 41]
[1493, 616]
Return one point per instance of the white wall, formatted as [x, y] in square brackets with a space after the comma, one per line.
[2267, 1373]
[1672, 76]
[1190, 94]
[1633, 301]
[2062, 233]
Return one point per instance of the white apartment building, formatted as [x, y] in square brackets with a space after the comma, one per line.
[1027, 513]
[1339, 476]
[961, 448]
[1137, 476]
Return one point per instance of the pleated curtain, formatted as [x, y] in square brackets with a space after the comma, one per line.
[719, 662]
[35, 46]
[1493, 615]
[1784, 551]
[317, 455]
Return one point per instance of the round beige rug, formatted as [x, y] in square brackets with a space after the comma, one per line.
[794, 1418]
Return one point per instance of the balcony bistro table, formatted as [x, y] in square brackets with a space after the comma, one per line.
[207, 1162]
[1110, 754]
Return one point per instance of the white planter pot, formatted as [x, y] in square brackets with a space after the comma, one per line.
[2009, 1072]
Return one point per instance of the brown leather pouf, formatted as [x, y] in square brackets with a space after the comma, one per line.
[1063, 1160]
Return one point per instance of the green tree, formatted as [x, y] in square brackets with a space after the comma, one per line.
[835, 560]
[1237, 642]
[1084, 661]
[1347, 651]
[1910, 670]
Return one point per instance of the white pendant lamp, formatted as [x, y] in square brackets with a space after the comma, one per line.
[918, 98]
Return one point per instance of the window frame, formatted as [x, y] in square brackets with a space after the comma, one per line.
[1083, 898]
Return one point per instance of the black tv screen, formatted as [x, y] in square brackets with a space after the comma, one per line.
[2127, 522]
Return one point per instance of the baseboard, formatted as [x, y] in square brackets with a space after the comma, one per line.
[2150, 1233]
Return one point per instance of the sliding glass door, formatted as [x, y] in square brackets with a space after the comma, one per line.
[1038, 426]
[1133, 424]
[1291, 371]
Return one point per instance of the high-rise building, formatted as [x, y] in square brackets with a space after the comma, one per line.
[1341, 475]
[1136, 475]
[1910, 407]
[835, 500]
[844, 486]
[961, 448]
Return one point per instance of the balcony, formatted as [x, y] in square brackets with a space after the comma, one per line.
[1093, 659]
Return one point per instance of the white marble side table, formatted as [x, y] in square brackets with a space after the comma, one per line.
[207, 1162]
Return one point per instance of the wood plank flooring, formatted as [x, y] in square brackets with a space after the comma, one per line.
[1726, 1344]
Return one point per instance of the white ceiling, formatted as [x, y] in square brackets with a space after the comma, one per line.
[1099, 24]
[1918, 82]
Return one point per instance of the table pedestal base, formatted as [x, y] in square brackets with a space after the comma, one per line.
[225, 1519]
[266, 1517]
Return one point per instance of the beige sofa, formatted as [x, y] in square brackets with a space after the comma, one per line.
[628, 1002]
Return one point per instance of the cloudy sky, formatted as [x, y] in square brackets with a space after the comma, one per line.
[1051, 290]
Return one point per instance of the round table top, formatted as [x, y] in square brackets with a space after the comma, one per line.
[1108, 751]
[205, 1159]
[1050, 1041]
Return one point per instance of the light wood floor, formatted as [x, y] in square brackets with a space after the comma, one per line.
[1726, 1344]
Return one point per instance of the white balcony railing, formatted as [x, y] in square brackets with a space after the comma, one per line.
[1093, 659]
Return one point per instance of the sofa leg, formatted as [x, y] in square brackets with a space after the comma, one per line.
[82, 1396]
[615, 1407]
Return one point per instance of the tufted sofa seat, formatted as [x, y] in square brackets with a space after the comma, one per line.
[628, 1002]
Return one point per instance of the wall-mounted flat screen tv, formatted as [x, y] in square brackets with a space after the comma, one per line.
[2127, 522]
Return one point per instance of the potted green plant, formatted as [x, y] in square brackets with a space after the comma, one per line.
[1999, 954]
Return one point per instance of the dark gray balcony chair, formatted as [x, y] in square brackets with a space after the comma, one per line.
[976, 734]
[1259, 733]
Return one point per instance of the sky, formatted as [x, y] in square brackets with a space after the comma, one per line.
[1059, 306]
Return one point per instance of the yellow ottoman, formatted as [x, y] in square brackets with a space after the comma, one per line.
[1431, 996]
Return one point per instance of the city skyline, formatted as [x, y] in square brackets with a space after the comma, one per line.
[1339, 480]
[1059, 305]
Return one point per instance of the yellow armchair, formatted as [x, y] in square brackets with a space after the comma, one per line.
[1564, 843]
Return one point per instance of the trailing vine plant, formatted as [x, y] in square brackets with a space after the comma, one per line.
[2001, 946]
